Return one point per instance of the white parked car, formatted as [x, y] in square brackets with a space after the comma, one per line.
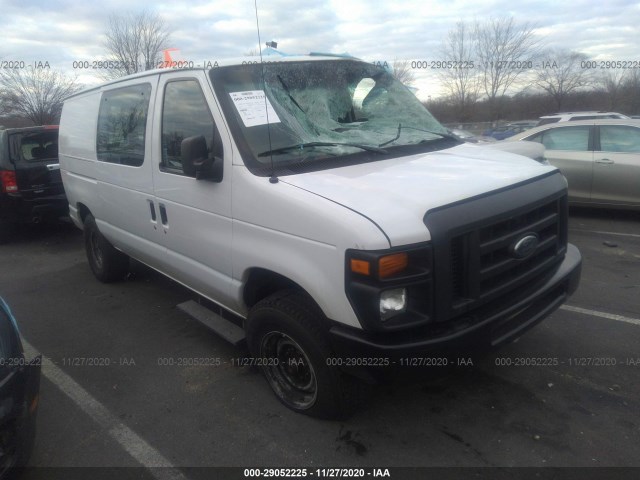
[573, 116]
[317, 200]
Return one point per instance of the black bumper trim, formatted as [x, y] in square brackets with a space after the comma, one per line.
[24, 209]
[491, 331]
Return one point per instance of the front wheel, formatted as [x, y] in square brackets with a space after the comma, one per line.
[285, 336]
[107, 263]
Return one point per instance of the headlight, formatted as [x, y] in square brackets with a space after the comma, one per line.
[390, 289]
[392, 302]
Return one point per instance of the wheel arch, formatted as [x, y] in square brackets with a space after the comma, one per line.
[83, 211]
[261, 283]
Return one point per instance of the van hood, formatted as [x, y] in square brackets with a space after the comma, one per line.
[395, 194]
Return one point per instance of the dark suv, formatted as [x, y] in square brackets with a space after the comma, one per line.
[30, 184]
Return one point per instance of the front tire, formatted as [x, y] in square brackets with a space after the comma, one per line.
[107, 263]
[285, 337]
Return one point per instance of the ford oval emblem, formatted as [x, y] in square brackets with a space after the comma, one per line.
[525, 246]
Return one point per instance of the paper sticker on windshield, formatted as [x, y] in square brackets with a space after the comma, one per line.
[253, 109]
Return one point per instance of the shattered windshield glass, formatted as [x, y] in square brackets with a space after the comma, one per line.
[313, 110]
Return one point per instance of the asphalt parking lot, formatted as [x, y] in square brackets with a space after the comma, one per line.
[118, 388]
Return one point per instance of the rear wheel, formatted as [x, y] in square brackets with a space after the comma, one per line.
[286, 339]
[107, 263]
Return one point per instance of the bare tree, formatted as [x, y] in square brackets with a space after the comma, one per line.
[403, 72]
[4, 110]
[562, 72]
[461, 80]
[135, 42]
[611, 83]
[503, 49]
[35, 93]
[631, 91]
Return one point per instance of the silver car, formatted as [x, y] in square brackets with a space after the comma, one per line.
[600, 159]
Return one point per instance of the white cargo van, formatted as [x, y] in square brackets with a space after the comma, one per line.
[319, 203]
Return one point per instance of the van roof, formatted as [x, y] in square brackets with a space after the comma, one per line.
[226, 62]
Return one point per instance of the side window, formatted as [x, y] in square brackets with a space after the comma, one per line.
[122, 123]
[185, 114]
[619, 138]
[567, 138]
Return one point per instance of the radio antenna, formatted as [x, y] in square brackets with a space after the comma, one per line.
[272, 177]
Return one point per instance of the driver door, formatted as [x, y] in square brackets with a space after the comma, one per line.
[194, 215]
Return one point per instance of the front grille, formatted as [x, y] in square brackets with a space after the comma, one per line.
[458, 271]
[483, 266]
[476, 271]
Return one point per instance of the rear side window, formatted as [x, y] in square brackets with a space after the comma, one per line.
[122, 123]
[619, 138]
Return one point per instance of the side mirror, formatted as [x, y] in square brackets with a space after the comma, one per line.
[196, 162]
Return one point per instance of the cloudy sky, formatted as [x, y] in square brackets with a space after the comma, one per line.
[63, 31]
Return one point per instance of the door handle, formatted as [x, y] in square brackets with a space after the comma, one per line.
[605, 161]
[163, 215]
[152, 209]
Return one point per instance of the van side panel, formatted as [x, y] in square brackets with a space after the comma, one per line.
[78, 129]
[77, 152]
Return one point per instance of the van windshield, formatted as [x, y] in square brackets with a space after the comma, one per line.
[309, 112]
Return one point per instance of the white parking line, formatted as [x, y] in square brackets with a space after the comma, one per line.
[137, 447]
[610, 316]
[635, 235]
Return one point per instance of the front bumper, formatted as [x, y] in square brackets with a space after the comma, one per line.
[357, 350]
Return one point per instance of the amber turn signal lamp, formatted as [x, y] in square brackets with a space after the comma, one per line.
[389, 265]
[360, 266]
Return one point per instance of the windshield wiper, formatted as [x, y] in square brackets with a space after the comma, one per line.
[448, 136]
[394, 138]
[286, 89]
[302, 146]
[440, 134]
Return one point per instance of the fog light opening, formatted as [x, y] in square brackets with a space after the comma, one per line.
[393, 302]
